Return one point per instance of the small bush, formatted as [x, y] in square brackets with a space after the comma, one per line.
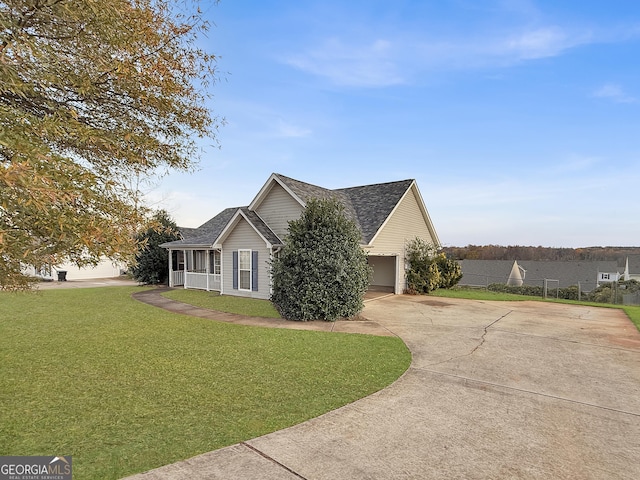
[428, 270]
[450, 271]
[569, 293]
[530, 290]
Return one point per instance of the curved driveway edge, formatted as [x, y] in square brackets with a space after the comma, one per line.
[496, 390]
[154, 297]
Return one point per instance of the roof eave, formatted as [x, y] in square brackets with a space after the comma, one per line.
[184, 246]
[231, 225]
[266, 188]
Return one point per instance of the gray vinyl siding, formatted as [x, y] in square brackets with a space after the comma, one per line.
[242, 237]
[277, 209]
[406, 223]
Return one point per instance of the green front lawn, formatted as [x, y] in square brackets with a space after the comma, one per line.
[224, 303]
[125, 387]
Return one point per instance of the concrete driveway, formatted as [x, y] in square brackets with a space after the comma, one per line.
[496, 390]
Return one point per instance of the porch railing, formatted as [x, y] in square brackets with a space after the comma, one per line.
[199, 281]
[177, 277]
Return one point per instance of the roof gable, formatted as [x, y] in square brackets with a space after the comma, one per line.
[290, 187]
[206, 234]
[417, 197]
[254, 220]
[369, 206]
[373, 204]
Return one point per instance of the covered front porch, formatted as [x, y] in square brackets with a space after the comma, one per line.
[198, 269]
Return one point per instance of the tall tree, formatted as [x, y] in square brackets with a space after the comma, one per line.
[92, 92]
[151, 265]
[322, 272]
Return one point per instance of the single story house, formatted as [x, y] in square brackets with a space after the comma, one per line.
[230, 253]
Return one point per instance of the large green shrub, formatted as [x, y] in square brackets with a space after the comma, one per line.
[429, 270]
[151, 264]
[322, 272]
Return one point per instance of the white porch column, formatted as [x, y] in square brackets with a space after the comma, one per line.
[221, 272]
[207, 262]
[184, 260]
[171, 268]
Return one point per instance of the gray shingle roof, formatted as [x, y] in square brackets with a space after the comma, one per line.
[374, 203]
[187, 232]
[368, 205]
[262, 227]
[305, 191]
[207, 233]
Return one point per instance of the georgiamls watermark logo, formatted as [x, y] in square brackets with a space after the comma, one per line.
[35, 468]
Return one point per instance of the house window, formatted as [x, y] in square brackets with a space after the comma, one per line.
[214, 262]
[244, 269]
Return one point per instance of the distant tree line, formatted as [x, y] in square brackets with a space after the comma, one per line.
[518, 252]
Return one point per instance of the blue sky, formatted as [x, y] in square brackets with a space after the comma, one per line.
[520, 120]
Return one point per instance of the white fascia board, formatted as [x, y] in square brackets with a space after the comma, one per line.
[425, 214]
[232, 224]
[423, 208]
[189, 246]
[266, 188]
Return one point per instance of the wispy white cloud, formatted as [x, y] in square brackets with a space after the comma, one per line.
[540, 43]
[398, 59]
[362, 51]
[288, 130]
[497, 50]
[615, 93]
[370, 63]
